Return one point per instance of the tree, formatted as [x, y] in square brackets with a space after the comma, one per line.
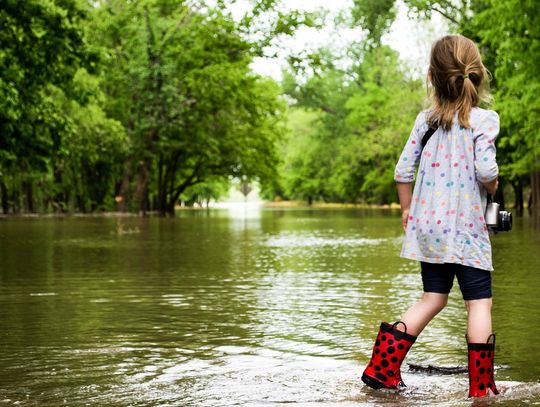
[204, 192]
[512, 28]
[43, 47]
[508, 34]
[345, 149]
[91, 154]
[180, 83]
[139, 100]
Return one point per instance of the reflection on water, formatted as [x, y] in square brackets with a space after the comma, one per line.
[239, 307]
[311, 240]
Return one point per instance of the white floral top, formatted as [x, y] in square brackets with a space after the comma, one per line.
[446, 219]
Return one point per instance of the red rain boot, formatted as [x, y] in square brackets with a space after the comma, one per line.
[391, 346]
[481, 357]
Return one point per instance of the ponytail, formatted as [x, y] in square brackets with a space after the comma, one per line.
[458, 78]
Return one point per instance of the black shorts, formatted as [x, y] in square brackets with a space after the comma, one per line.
[474, 283]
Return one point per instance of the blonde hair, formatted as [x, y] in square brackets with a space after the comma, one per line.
[459, 80]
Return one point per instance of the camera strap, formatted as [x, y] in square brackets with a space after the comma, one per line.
[427, 135]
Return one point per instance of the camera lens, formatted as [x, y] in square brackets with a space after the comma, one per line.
[505, 221]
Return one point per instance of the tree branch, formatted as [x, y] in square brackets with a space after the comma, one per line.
[168, 35]
[445, 15]
[189, 181]
[328, 109]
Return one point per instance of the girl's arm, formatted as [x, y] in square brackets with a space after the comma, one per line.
[485, 161]
[410, 155]
[405, 197]
[404, 172]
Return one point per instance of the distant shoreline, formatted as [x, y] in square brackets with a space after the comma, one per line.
[264, 205]
[223, 206]
[326, 205]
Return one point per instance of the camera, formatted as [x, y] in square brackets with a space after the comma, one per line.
[496, 220]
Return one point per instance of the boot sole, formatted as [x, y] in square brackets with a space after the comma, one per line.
[373, 383]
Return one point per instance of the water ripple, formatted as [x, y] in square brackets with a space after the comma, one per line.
[292, 240]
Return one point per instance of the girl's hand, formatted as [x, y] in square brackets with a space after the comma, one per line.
[405, 197]
[494, 187]
[491, 187]
[404, 219]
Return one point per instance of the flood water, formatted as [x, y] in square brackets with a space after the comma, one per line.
[250, 307]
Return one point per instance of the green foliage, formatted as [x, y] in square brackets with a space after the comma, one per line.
[42, 45]
[508, 34]
[300, 151]
[266, 23]
[182, 86]
[134, 102]
[92, 153]
[348, 129]
[513, 28]
[456, 12]
[139, 104]
[203, 193]
[375, 17]
[43, 63]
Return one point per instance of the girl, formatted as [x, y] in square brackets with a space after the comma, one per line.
[444, 218]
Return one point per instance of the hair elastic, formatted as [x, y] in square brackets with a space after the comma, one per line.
[465, 75]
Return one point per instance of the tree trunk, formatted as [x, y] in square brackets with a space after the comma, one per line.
[158, 205]
[58, 200]
[147, 199]
[15, 199]
[79, 202]
[5, 198]
[176, 192]
[29, 196]
[170, 208]
[154, 203]
[124, 187]
[518, 196]
[166, 185]
[154, 85]
[141, 187]
[171, 203]
[534, 200]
